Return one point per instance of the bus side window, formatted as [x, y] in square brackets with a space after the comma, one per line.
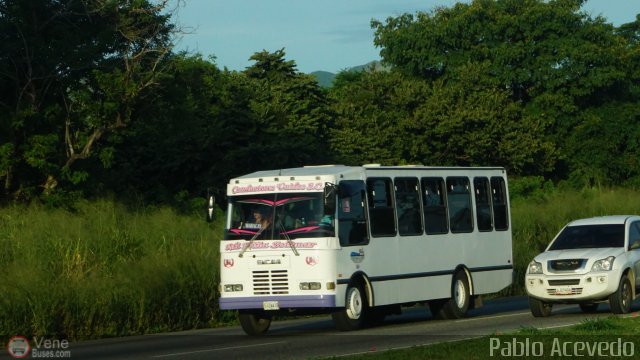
[483, 203]
[352, 228]
[499, 201]
[435, 205]
[459, 203]
[381, 209]
[408, 206]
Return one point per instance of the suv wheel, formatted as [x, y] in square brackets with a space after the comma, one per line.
[539, 308]
[620, 301]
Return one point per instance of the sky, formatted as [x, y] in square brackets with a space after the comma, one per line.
[328, 35]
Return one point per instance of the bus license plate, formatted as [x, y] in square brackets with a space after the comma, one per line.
[270, 305]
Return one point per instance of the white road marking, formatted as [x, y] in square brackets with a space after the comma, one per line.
[491, 317]
[218, 349]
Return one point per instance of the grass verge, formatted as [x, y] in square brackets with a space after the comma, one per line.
[106, 271]
[612, 337]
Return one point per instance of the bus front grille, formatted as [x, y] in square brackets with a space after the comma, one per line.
[270, 282]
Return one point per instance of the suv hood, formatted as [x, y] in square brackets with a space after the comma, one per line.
[591, 253]
[588, 255]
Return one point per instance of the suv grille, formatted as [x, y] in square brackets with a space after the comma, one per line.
[567, 264]
[270, 282]
[564, 282]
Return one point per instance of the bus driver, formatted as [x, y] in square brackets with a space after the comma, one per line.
[263, 217]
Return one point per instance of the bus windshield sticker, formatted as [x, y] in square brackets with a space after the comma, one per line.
[256, 245]
[300, 230]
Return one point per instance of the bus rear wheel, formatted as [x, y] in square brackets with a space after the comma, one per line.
[356, 310]
[457, 306]
[254, 323]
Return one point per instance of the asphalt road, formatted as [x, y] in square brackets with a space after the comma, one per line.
[317, 338]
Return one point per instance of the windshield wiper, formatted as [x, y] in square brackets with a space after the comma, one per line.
[284, 232]
[286, 236]
[255, 236]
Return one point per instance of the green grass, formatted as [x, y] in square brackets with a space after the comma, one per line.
[108, 270]
[549, 343]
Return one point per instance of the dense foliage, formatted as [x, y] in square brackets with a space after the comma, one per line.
[94, 101]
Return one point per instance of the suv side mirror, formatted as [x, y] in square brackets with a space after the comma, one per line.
[329, 198]
[635, 244]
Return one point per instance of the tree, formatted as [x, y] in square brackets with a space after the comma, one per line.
[291, 112]
[72, 72]
[385, 117]
[196, 132]
[205, 126]
[371, 109]
[552, 60]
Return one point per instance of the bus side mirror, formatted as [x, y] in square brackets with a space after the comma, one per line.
[211, 202]
[329, 198]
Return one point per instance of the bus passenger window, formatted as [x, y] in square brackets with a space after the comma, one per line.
[435, 205]
[408, 206]
[499, 201]
[459, 202]
[381, 209]
[483, 203]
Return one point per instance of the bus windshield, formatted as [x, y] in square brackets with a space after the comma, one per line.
[278, 216]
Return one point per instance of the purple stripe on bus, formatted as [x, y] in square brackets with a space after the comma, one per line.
[302, 301]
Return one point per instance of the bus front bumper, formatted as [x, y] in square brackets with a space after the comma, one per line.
[277, 302]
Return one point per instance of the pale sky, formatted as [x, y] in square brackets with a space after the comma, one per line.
[329, 35]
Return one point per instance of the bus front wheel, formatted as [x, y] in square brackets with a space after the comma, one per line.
[355, 312]
[254, 323]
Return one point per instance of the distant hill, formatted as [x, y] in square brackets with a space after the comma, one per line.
[325, 78]
[375, 64]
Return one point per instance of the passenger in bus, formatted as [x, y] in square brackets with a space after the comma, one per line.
[326, 220]
[296, 217]
[432, 197]
[263, 217]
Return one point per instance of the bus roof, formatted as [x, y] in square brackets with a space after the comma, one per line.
[342, 169]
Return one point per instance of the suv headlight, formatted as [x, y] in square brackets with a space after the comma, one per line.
[534, 267]
[603, 264]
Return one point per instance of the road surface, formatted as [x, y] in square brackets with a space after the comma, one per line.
[316, 337]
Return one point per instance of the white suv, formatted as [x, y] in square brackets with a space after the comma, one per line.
[590, 261]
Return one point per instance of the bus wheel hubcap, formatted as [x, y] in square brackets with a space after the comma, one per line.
[460, 294]
[354, 307]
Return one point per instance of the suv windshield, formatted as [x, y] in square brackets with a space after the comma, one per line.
[278, 216]
[589, 236]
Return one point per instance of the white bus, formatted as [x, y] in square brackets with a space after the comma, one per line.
[360, 242]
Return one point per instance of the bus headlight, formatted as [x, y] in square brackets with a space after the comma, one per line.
[534, 267]
[232, 287]
[310, 286]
